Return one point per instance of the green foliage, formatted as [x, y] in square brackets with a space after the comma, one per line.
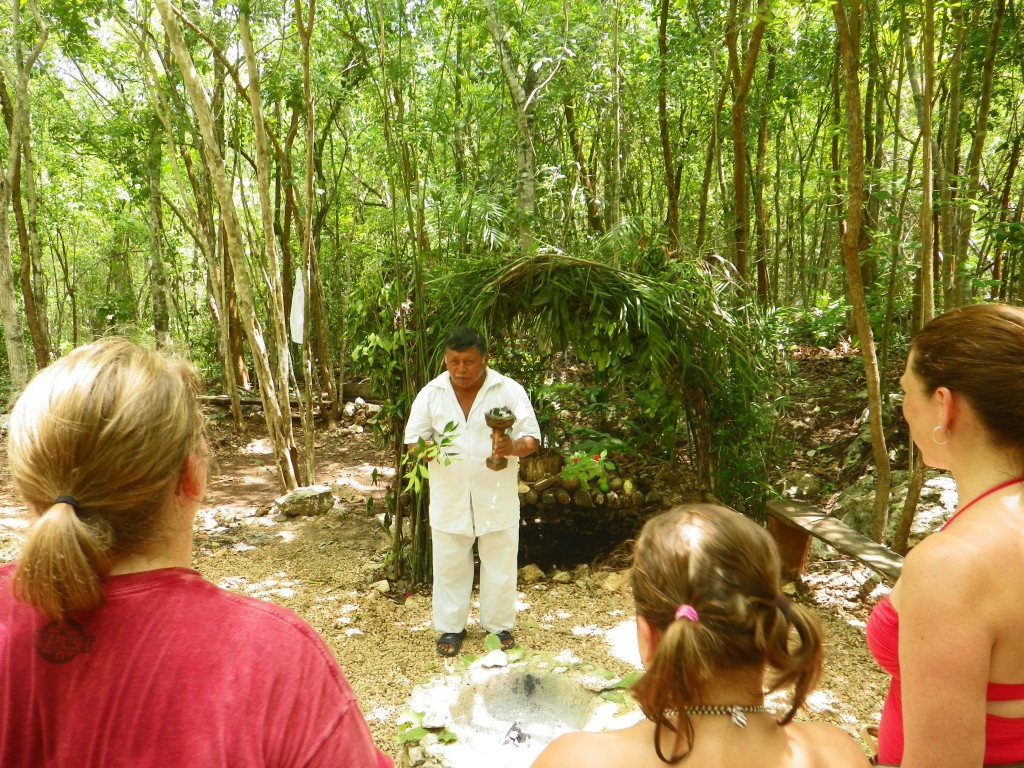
[447, 736]
[651, 419]
[823, 323]
[628, 681]
[410, 735]
[1010, 233]
[587, 467]
[410, 728]
[425, 452]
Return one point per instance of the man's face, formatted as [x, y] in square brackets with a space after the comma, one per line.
[467, 368]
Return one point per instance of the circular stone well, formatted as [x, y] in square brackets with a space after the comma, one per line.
[506, 708]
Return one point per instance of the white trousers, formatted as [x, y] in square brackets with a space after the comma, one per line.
[453, 579]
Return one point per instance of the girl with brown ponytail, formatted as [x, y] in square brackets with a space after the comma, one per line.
[715, 633]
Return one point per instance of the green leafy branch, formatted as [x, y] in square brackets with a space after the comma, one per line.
[426, 451]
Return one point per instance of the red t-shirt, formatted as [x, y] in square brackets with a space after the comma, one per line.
[173, 671]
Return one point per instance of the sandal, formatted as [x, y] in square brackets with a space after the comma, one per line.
[508, 642]
[454, 642]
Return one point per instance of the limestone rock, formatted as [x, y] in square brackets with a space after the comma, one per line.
[803, 486]
[307, 501]
[495, 658]
[544, 484]
[530, 574]
[581, 572]
[582, 499]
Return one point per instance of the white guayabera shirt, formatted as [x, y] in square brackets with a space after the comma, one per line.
[466, 497]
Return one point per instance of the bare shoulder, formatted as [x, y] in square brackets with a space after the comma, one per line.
[945, 566]
[592, 750]
[826, 745]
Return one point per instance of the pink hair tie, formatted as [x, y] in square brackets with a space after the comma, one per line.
[687, 612]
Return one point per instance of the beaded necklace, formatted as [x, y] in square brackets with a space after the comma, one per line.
[737, 712]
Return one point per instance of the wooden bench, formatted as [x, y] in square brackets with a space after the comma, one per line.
[792, 523]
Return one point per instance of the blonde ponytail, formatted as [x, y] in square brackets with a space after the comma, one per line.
[95, 447]
[62, 563]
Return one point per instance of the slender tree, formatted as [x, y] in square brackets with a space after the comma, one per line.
[742, 71]
[849, 17]
[16, 69]
[276, 407]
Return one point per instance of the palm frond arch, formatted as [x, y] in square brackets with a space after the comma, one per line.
[674, 325]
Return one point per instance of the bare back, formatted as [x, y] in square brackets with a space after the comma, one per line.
[717, 744]
[977, 566]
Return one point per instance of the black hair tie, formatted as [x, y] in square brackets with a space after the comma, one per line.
[69, 500]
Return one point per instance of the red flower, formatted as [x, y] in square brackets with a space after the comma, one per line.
[597, 457]
[575, 459]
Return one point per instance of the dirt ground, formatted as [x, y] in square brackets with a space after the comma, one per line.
[323, 568]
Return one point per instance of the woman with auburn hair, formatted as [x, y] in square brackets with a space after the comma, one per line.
[114, 653]
[711, 622]
[951, 633]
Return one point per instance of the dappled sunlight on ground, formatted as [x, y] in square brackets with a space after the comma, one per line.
[13, 524]
[259, 447]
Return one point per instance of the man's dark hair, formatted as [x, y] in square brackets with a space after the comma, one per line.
[463, 338]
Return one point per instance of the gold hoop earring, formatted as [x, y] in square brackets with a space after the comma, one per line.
[936, 431]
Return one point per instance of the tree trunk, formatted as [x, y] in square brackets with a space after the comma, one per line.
[760, 218]
[13, 333]
[33, 287]
[742, 75]
[197, 219]
[927, 280]
[947, 166]
[615, 176]
[1004, 214]
[522, 93]
[580, 161]
[848, 28]
[264, 166]
[60, 253]
[671, 193]
[709, 166]
[16, 358]
[965, 212]
[872, 129]
[30, 279]
[309, 256]
[276, 412]
[157, 273]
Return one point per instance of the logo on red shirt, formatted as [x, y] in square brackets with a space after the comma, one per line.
[59, 643]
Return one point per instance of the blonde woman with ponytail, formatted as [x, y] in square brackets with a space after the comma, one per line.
[715, 633]
[114, 653]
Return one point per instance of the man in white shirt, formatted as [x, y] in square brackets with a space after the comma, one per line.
[469, 502]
